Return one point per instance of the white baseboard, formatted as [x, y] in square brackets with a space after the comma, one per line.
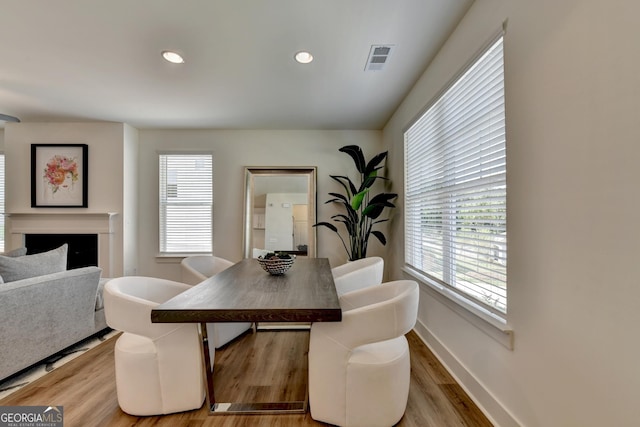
[283, 326]
[485, 401]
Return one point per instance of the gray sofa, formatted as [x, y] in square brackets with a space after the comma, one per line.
[43, 315]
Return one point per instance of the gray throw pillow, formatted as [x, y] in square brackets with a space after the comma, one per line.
[24, 267]
[15, 252]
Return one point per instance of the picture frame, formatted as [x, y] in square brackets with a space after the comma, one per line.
[59, 175]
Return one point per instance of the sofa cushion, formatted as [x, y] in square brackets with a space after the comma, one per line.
[15, 252]
[24, 267]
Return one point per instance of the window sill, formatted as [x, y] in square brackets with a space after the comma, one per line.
[490, 323]
[175, 258]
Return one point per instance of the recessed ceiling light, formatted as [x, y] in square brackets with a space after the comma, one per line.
[303, 57]
[172, 57]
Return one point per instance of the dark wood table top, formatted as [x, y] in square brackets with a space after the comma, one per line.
[246, 293]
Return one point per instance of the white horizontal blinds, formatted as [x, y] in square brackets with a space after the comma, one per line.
[2, 246]
[186, 203]
[455, 208]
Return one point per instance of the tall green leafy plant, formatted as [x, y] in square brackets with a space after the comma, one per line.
[362, 210]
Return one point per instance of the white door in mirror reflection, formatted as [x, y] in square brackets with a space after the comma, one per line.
[300, 227]
[279, 221]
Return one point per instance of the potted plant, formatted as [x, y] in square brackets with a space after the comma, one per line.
[362, 209]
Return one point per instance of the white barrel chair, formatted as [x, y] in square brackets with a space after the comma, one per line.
[158, 365]
[197, 268]
[359, 368]
[358, 274]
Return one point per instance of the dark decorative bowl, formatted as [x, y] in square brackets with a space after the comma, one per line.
[276, 266]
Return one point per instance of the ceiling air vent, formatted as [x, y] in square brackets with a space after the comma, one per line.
[378, 57]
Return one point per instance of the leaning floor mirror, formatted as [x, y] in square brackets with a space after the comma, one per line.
[280, 210]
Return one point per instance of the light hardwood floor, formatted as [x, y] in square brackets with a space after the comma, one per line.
[267, 366]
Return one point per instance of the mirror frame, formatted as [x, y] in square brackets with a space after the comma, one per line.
[250, 173]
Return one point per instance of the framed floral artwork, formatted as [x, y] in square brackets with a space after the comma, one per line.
[59, 175]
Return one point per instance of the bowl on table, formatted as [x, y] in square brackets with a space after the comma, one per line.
[276, 265]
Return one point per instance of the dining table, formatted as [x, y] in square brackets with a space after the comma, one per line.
[245, 292]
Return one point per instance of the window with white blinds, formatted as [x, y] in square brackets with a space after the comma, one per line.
[455, 184]
[2, 246]
[186, 203]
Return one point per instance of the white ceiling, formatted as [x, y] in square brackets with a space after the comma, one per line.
[99, 60]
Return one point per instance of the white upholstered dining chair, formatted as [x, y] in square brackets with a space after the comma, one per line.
[257, 252]
[359, 368]
[158, 365]
[197, 268]
[358, 274]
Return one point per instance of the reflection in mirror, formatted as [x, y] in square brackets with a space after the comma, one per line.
[280, 210]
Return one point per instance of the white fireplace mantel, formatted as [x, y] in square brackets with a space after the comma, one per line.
[61, 223]
[100, 223]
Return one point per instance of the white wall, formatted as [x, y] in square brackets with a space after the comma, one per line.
[573, 145]
[2, 151]
[233, 150]
[130, 201]
[106, 169]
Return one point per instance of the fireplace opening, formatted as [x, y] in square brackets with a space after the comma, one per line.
[82, 251]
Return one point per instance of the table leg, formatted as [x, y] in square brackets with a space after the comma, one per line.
[207, 366]
[293, 407]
